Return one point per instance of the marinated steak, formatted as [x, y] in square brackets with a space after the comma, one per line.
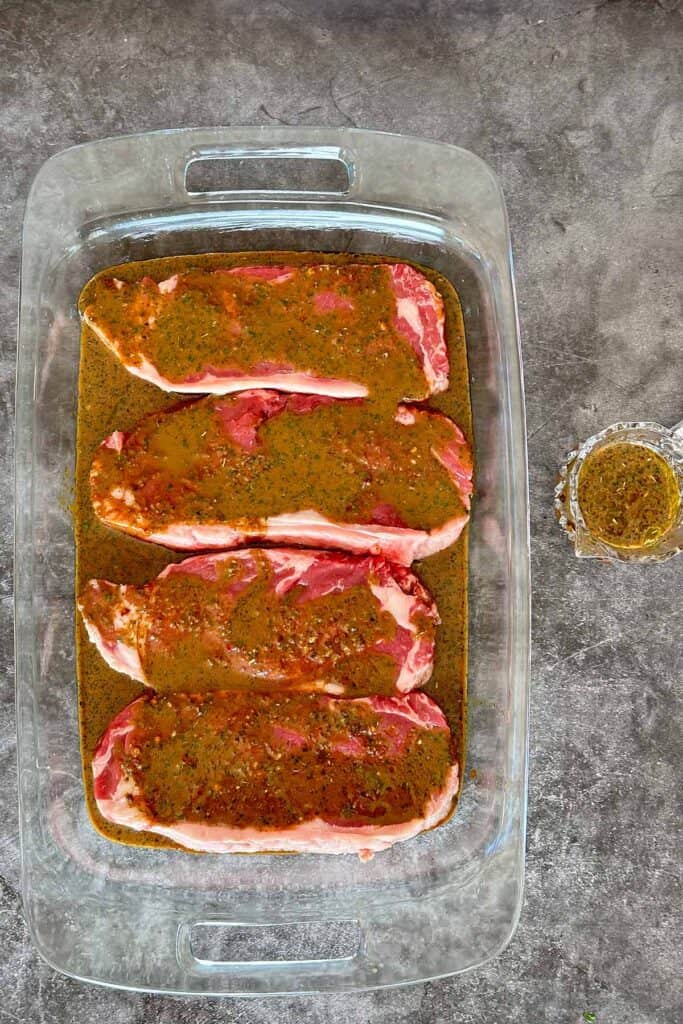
[228, 773]
[322, 329]
[263, 620]
[301, 469]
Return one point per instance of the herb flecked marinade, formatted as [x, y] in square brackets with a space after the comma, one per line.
[111, 399]
[628, 495]
[330, 634]
[225, 773]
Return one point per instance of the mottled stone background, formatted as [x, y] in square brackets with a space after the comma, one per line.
[577, 106]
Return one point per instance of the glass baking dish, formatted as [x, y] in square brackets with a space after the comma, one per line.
[173, 922]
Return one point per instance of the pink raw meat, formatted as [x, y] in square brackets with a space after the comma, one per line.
[131, 626]
[375, 771]
[138, 485]
[128, 316]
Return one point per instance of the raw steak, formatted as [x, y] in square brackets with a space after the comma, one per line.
[275, 619]
[299, 469]
[231, 773]
[321, 329]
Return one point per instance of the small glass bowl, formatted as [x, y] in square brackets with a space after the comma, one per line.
[666, 442]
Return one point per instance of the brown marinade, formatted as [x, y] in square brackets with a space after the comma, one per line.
[110, 398]
[628, 495]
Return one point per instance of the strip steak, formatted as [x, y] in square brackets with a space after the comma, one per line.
[290, 469]
[276, 619]
[304, 773]
[321, 329]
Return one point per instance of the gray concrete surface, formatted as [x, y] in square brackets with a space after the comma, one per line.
[577, 107]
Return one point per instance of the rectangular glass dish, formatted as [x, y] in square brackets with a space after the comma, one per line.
[157, 920]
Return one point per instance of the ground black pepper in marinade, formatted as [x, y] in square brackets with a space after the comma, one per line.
[112, 399]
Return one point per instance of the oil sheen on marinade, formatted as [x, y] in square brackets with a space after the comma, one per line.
[111, 399]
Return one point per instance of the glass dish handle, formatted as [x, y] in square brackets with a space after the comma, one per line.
[293, 955]
[222, 171]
